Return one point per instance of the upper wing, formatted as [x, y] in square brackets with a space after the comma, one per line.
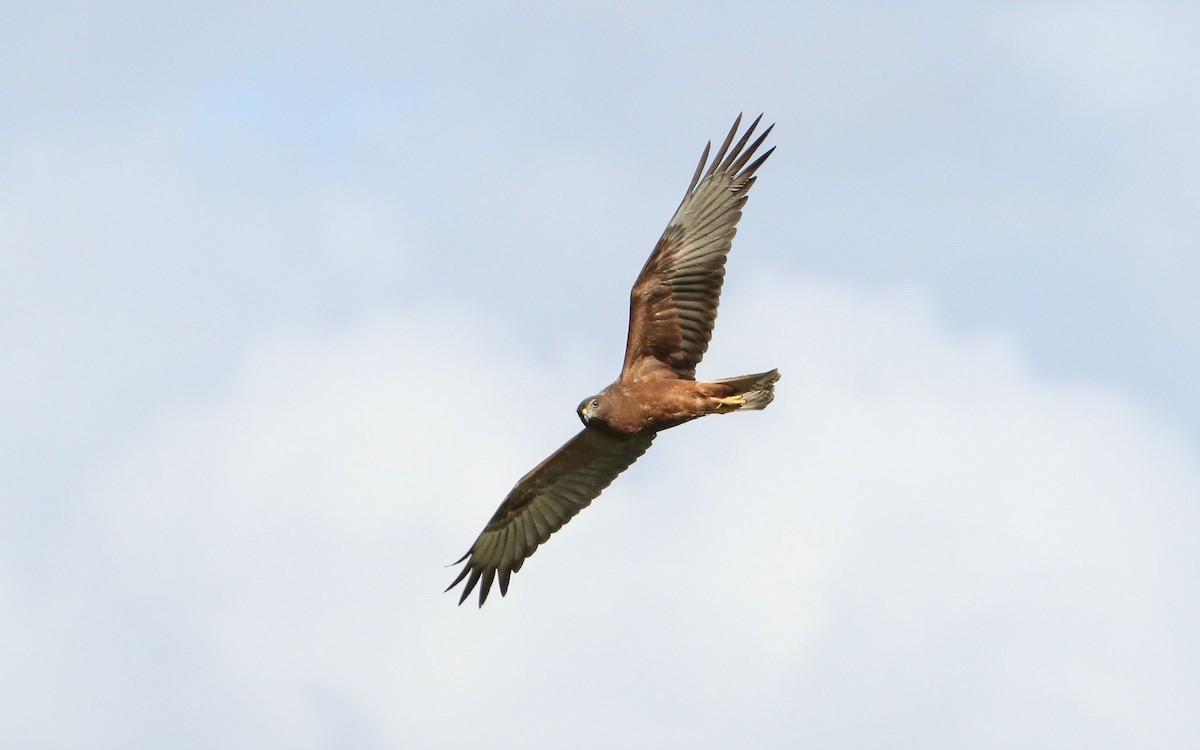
[673, 304]
[544, 500]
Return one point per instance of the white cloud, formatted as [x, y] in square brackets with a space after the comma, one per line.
[920, 541]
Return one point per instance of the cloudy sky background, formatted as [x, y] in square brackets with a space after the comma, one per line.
[293, 293]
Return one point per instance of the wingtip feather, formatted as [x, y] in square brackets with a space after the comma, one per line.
[720, 157]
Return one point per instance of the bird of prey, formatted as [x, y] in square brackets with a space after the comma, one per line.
[672, 309]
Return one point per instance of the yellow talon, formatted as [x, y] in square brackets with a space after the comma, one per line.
[733, 402]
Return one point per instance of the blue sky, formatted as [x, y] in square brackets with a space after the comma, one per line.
[293, 295]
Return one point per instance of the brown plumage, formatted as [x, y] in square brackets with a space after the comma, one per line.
[672, 309]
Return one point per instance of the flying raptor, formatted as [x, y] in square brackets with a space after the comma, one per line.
[672, 309]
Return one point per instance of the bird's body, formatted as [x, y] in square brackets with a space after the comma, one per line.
[672, 308]
[660, 403]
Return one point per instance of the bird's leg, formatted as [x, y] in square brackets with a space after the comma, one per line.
[730, 403]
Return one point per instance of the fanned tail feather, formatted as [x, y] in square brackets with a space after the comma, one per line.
[758, 390]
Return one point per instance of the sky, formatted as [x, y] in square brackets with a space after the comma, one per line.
[293, 293]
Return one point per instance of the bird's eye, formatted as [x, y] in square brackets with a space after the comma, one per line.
[594, 404]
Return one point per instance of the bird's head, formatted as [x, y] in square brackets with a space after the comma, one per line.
[589, 409]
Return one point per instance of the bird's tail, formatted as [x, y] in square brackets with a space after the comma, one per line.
[756, 391]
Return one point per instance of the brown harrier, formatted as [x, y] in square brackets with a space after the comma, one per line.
[672, 309]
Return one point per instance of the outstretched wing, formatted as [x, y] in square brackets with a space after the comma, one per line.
[673, 304]
[544, 500]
